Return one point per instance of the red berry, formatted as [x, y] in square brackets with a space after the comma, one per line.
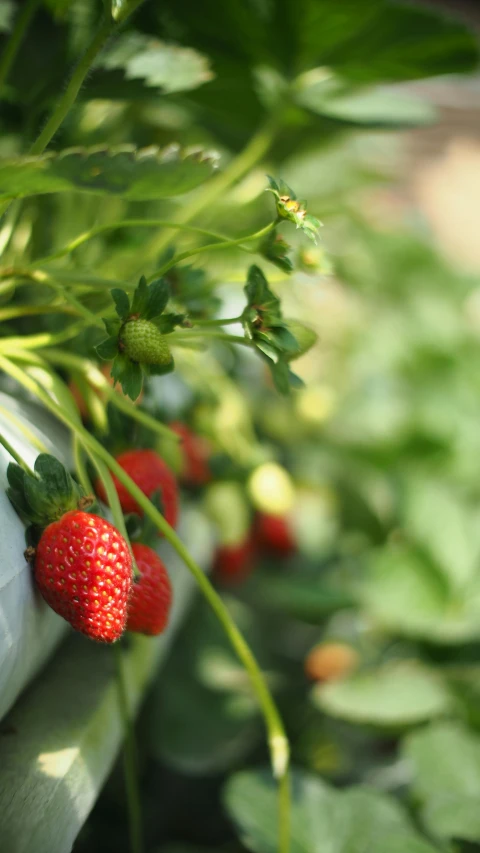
[196, 452]
[274, 534]
[149, 606]
[151, 474]
[83, 570]
[234, 563]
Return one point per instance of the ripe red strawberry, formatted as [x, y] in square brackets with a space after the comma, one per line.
[234, 563]
[274, 534]
[83, 570]
[196, 452]
[149, 606]
[151, 474]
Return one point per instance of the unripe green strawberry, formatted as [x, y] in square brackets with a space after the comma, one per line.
[144, 343]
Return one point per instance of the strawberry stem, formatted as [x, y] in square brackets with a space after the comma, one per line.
[18, 459]
[129, 755]
[211, 247]
[277, 738]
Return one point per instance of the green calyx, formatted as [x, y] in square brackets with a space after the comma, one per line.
[43, 497]
[136, 340]
[143, 342]
[293, 209]
[269, 332]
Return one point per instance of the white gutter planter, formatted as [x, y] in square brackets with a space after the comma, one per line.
[59, 739]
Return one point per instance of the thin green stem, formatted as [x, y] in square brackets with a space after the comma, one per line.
[16, 37]
[126, 223]
[80, 466]
[44, 278]
[13, 453]
[129, 756]
[34, 310]
[43, 339]
[220, 322]
[129, 752]
[257, 147]
[180, 337]
[277, 739]
[69, 97]
[210, 247]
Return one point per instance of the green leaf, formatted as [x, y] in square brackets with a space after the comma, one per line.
[268, 349]
[445, 525]
[257, 289]
[305, 338]
[167, 322]
[112, 326]
[140, 297]
[355, 820]
[397, 694]
[406, 593]
[274, 248]
[364, 41]
[129, 374]
[125, 171]
[445, 760]
[281, 376]
[158, 296]
[122, 302]
[285, 341]
[373, 108]
[167, 66]
[305, 598]
[108, 349]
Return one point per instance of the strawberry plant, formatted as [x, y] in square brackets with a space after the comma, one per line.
[169, 297]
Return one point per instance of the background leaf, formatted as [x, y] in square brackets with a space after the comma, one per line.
[351, 821]
[399, 693]
[135, 174]
[168, 66]
[445, 760]
[374, 107]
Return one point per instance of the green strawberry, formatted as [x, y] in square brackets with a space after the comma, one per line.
[144, 343]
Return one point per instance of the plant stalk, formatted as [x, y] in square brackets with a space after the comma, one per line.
[13, 453]
[210, 247]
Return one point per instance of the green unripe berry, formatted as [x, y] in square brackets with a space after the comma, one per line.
[144, 343]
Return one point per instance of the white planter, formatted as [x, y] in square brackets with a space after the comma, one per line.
[29, 630]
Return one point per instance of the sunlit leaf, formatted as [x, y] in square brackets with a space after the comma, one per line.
[168, 66]
[396, 694]
[445, 762]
